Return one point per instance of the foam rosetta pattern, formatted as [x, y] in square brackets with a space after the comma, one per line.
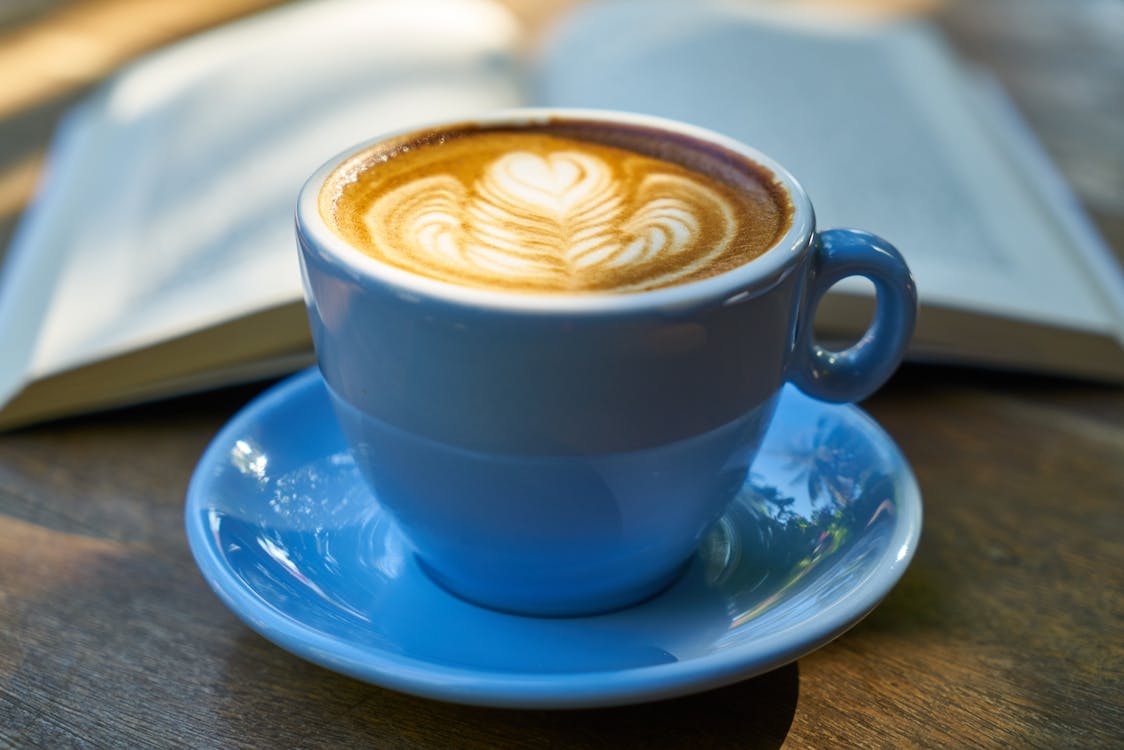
[560, 220]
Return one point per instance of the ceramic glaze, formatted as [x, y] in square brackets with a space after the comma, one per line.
[287, 533]
[562, 454]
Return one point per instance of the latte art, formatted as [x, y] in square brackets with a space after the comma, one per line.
[561, 220]
[537, 212]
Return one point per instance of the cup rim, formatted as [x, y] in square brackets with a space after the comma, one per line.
[757, 274]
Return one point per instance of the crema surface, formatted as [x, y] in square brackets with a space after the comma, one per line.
[537, 209]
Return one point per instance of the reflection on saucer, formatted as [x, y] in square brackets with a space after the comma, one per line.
[292, 540]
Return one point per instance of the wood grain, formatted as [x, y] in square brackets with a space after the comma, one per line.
[1007, 630]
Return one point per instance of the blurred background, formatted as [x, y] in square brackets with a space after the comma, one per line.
[1005, 631]
[1062, 62]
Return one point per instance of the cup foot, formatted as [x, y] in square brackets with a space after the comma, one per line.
[549, 601]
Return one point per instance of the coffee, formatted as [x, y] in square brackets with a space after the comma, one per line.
[563, 455]
[562, 207]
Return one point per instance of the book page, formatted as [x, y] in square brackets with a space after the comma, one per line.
[876, 121]
[184, 218]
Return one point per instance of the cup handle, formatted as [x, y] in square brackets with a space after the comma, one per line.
[856, 372]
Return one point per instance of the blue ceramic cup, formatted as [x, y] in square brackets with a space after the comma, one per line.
[565, 454]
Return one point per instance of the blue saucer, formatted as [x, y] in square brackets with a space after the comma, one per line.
[292, 541]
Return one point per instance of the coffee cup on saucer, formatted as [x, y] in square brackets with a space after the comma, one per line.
[554, 339]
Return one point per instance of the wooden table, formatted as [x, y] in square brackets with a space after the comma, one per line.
[1007, 631]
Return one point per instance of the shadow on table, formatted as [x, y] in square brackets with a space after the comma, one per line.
[755, 713]
[312, 707]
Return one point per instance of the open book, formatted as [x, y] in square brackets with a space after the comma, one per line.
[158, 257]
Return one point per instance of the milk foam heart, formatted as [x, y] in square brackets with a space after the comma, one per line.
[561, 220]
[541, 212]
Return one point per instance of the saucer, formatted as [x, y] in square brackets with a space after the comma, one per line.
[293, 542]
